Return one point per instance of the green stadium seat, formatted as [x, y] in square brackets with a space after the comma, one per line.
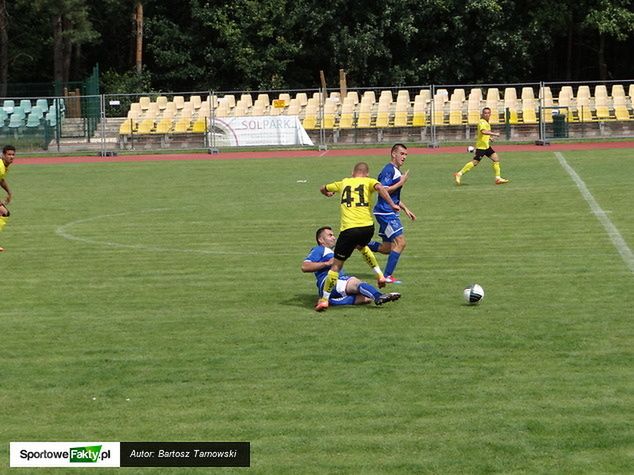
[8, 106]
[25, 105]
[16, 121]
[33, 121]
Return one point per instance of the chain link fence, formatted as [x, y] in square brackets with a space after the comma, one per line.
[429, 115]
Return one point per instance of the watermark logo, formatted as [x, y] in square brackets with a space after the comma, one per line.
[86, 454]
[64, 454]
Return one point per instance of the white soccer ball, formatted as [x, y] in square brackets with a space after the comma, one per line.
[470, 149]
[473, 294]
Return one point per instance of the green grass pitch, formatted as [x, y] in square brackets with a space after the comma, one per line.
[163, 301]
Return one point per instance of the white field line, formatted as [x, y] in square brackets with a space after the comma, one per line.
[65, 232]
[611, 230]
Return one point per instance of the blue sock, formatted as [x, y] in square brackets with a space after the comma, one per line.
[392, 260]
[374, 246]
[369, 291]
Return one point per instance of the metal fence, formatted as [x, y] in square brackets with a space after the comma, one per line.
[429, 115]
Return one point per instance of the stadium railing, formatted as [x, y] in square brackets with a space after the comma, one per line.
[430, 115]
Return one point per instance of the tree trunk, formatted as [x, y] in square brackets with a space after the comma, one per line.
[139, 38]
[58, 50]
[4, 49]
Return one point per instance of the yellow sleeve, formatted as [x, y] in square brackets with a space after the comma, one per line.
[334, 186]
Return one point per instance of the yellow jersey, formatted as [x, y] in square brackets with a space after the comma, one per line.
[3, 170]
[356, 193]
[482, 140]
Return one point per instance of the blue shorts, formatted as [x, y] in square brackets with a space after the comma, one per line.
[390, 226]
[338, 295]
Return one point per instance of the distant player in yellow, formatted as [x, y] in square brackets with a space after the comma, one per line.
[357, 224]
[8, 154]
[482, 149]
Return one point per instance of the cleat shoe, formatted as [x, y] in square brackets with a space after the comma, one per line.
[387, 298]
[390, 279]
[380, 282]
[1, 249]
[322, 304]
[500, 181]
[456, 178]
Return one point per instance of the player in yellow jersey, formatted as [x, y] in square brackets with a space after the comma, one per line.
[482, 149]
[357, 224]
[8, 154]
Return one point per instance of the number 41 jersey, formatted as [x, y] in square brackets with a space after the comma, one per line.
[356, 194]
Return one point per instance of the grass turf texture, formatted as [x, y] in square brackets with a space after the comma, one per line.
[163, 302]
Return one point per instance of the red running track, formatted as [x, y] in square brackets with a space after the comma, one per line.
[317, 153]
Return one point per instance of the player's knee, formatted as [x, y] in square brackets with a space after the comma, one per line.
[399, 243]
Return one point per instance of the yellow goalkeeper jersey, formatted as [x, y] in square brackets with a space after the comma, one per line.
[3, 170]
[356, 193]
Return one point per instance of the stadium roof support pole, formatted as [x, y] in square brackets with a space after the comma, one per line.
[322, 130]
[542, 123]
[213, 149]
[433, 143]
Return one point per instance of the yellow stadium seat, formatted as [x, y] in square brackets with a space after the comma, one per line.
[455, 111]
[419, 116]
[529, 116]
[144, 102]
[401, 112]
[365, 115]
[584, 111]
[145, 126]
[199, 126]
[246, 100]
[620, 108]
[161, 102]
[182, 126]
[618, 90]
[527, 93]
[179, 102]
[127, 127]
[164, 126]
[294, 108]
[602, 107]
[302, 99]
[369, 97]
[229, 100]
[583, 92]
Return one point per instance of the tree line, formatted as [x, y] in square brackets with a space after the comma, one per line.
[193, 45]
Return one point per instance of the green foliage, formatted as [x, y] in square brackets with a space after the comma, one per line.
[272, 44]
[113, 82]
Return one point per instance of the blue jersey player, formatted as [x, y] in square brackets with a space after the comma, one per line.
[348, 290]
[390, 226]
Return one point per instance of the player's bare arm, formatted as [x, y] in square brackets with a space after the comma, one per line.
[381, 190]
[5, 186]
[308, 266]
[325, 192]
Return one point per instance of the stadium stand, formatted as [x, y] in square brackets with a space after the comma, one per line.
[457, 107]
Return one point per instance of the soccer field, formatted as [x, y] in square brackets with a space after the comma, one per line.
[163, 301]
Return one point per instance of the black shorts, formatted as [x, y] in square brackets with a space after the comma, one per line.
[349, 239]
[480, 152]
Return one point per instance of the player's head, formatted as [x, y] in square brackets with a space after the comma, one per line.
[325, 237]
[486, 113]
[361, 169]
[8, 154]
[398, 154]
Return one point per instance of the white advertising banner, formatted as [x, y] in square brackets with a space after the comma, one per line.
[258, 130]
[64, 454]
